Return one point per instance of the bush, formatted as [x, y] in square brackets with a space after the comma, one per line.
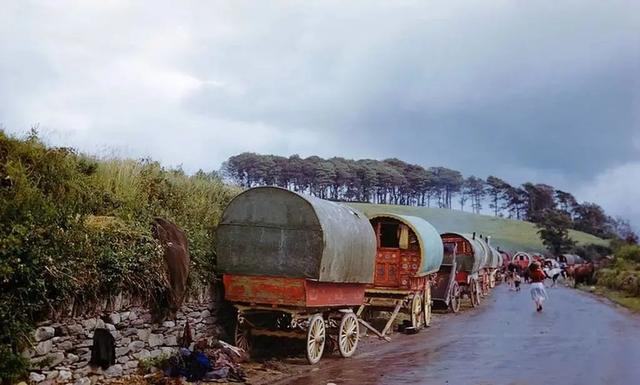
[76, 230]
[629, 253]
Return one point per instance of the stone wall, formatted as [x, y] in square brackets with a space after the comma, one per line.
[62, 348]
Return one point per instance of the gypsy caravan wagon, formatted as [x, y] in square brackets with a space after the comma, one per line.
[522, 260]
[489, 266]
[409, 253]
[470, 260]
[446, 292]
[295, 266]
[496, 267]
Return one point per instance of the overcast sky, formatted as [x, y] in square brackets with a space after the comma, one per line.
[547, 91]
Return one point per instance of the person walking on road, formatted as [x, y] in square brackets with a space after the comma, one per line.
[538, 292]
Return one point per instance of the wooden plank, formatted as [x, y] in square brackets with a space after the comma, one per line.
[393, 317]
[373, 330]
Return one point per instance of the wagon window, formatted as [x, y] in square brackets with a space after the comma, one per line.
[389, 235]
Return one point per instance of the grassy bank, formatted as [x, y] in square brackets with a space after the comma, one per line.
[77, 229]
[509, 234]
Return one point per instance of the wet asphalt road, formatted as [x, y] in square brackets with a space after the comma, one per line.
[577, 339]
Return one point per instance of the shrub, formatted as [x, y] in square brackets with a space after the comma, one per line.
[629, 253]
[76, 229]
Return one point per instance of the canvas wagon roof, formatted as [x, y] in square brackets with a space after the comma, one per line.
[431, 249]
[479, 254]
[272, 231]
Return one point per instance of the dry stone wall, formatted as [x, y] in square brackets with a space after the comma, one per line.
[62, 348]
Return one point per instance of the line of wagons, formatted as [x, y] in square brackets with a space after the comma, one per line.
[298, 266]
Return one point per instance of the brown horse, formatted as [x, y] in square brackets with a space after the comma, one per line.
[581, 273]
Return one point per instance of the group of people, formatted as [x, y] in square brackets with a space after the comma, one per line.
[535, 274]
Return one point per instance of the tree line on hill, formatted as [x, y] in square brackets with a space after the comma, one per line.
[393, 181]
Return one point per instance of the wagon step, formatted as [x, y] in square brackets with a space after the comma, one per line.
[373, 330]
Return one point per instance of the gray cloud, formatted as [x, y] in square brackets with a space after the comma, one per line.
[546, 91]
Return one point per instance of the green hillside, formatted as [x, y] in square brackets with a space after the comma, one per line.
[509, 234]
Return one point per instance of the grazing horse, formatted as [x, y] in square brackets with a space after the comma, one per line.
[583, 273]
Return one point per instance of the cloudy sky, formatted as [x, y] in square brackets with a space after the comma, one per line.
[547, 91]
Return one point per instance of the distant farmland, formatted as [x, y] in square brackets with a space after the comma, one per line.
[509, 234]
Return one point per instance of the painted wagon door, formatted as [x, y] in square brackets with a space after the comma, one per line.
[388, 255]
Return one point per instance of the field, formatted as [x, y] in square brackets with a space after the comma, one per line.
[509, 234]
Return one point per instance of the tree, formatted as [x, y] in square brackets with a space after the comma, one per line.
[591, 218]
[475, 188]
[538, 198]
[624, 231]
[566, 202]
[553, 228]
[496, 188]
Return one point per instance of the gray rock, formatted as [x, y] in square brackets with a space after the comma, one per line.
[136, 346]
[132, 364]
[110, 327]
[155, 340]
[72, 358]
[65, 375]
[113, 371]
[155, 353]
[171, 341]
[64, 346]
[52, 375]
[124, 316]
[143, 334]
[44, 347]
[124, 341]
[133, 316]
[142, 354]
[89, 324]
[44, 333]
[114, 318]
[206, 313]
[82, 381]
[100, 324]
[167, 351]
[36, 377]
[75, 329]
[195, 314]
[168, 324]
[123, 359]
[55, 359]
[130, 332]
[85, 343]
[122, 351]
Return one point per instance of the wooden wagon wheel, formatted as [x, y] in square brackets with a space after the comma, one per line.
[348, 335]
[242, 337]
[478, 287]
[427, 305]
[454, 300]
[474, 293]
[316, 335]
[416, 311]
[492, 280]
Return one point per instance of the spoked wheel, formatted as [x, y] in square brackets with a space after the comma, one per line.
[416, 311]
[426, 303]
[348, 335]
[474, 294]
[492, 281]
[316, 335]
[243, 337]
[454, 301]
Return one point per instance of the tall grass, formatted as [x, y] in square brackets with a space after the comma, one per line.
[76, 229]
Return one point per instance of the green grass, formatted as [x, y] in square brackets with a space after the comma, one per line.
[620, 297]
[509, 234]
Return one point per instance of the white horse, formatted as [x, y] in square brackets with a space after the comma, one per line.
[553, 274]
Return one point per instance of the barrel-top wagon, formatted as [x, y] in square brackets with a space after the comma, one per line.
[409, 253]
[522, 260]
[470, 258]
[295, 266]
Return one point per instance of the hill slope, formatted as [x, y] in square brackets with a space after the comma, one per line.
[509, 234]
